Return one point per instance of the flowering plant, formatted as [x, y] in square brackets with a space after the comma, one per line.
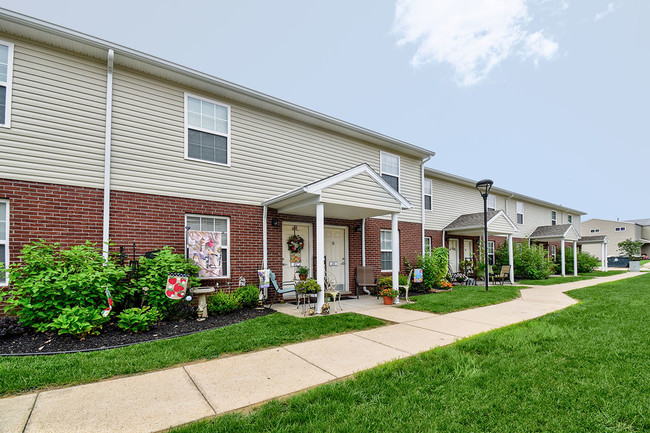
[307, 286]
[387, 291]
[445, 285]
[295, 243]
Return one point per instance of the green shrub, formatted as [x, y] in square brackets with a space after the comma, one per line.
[152, 277]
[384, 283]
[78, 321]
[586, 262]
[248, 296]
[434, 267]
[138, 319]
[222, 303]
[307, 286]
[49, 279]
[530, 261]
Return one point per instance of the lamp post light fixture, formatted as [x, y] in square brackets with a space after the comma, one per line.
[484, 187]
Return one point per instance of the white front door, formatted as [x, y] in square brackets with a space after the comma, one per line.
[336, 255]
[468, 249]
[292, 261]
[453, 254]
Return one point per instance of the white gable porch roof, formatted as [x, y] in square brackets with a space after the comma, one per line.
[356, 193]
[558, 232]
[472, 224]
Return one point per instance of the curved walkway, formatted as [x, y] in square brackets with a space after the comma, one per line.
[156, 401]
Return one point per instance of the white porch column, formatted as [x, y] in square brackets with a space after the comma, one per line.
[394, 231]
[563, 256]
[320, 254]
[265, 239]
[363, 242]
[575, 258]
[511, 260]
[605, 258]
[443, 240]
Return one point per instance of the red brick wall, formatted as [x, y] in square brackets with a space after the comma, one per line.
[410, 243]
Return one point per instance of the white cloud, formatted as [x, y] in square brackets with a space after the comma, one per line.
[473, 36]
[609, 10]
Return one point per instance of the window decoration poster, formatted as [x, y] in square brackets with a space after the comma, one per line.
[204, 248]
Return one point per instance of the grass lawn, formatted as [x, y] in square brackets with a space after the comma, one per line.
[23, 373]
[561, 280]
[582, 369]
[602, 273]
[462, 298]
[643, 262]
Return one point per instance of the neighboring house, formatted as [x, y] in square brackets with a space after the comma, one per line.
[455, 218]
[617, 231]
[101, 142]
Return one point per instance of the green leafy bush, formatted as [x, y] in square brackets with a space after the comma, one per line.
[434, 267]
[138, 319]
[152, 277]
[630, 248]
[248, 296]
[78, 321]
[586, 262]
[530, 261]
[49, 279]
[222, 303]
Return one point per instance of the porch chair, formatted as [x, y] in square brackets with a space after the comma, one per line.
[287, 287]
[365, 278]
[504, 274]
[407, 286]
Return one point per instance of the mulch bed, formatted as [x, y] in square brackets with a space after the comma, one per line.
[111, 335]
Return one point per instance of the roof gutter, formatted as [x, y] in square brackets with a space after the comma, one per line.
[107, 154]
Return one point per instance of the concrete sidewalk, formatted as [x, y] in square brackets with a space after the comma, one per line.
[157, 401]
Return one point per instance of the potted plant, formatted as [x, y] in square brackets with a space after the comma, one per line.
[307, 287]
[303, 272]
[388, 294]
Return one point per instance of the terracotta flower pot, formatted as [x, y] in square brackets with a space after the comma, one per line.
[388, 300]
[302, 277]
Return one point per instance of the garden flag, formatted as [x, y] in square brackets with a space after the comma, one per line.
[176, 286]
[204, 248]
[417, 275]
[265, 278]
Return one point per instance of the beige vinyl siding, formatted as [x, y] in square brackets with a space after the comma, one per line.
[451, 200]
[360, 191]
[645, 232]
[500, 225]
[58, 118]
[270, 155]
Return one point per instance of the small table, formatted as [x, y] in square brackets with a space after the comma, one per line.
[203, 304]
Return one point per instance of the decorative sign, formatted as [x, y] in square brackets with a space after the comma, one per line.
[176, 286]
[265, 278]
[107, 311]
[295, 259]
[204, 248]
[417, 275]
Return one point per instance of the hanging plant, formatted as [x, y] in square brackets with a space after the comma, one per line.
[296, 243]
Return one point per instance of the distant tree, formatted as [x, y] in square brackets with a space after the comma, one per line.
[630, 248]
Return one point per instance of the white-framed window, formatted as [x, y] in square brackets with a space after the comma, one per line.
[386, 250]
[4, 241]
[492, 202]
[569, 218]
[427, 245]
[620, 229]
[208, 244]
[595, 230]
[428, 194]
[390, 169]
[520, 212]
[490, 252]
[553, 218]
[6, 72]
[207, 130]
[553, 252]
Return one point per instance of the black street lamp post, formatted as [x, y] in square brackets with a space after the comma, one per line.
[484, 187]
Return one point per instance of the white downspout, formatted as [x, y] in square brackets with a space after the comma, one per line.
[107, 155]
[363, 250]
[265, 239]
[424, 161]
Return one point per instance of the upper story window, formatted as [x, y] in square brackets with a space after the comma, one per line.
[390, 169]
[6, 68]
[492, 202]
[520, 212]
[207, 130]
[386, 250]
[208, 243]
[553, 218]
[428, 194]
[4, 241]
[595, 230]
[570, 218]
[620, 229]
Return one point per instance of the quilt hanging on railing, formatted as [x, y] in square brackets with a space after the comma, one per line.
[204, 248]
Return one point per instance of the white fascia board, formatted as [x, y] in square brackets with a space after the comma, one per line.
[503, 214]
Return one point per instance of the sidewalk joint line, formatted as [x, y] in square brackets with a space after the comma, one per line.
[309, 362]
[200, 392]
[31, 412]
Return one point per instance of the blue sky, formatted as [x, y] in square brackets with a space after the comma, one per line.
[548, 98]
